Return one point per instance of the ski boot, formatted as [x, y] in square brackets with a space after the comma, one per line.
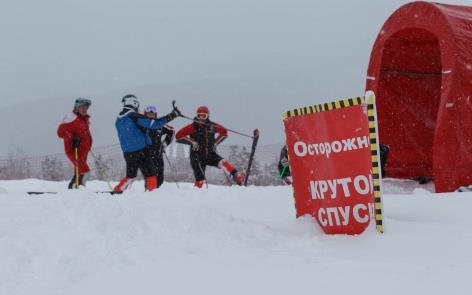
[198, 183]
[73, 182]
[238, 177]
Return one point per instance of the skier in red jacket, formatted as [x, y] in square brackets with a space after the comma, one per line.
[75, 130]
[201, 136]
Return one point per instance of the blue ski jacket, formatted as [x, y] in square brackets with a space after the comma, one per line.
[131, 127]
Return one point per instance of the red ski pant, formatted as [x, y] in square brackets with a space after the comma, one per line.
[81, 162]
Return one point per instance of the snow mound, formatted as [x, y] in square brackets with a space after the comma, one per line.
[224, 240]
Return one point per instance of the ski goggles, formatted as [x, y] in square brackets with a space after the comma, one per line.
[151, 109]
[202, 116]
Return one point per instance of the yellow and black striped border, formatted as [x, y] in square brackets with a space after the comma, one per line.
[376, 171]
[339, 104]
[372, 116]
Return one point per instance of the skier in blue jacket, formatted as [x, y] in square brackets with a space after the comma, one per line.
[131, 127]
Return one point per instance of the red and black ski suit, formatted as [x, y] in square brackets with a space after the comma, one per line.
[76, 125]
[204, 134]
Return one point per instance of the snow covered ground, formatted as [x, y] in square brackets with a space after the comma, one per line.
[225, 240]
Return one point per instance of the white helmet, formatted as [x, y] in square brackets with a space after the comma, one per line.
[130, 100]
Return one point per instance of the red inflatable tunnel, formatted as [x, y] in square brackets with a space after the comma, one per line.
[421, 72]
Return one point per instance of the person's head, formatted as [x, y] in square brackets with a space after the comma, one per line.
[203, 113]
[150, 112]
[82, 105]
[130, 101]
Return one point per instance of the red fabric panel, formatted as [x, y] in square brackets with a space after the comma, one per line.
[410, 82]
[421, 72]
[408, 131]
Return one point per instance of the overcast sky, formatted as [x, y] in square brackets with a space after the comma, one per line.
[69, 47]
[53, 49]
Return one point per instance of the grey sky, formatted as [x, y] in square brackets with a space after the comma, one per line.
[52, 48]
[233, 55]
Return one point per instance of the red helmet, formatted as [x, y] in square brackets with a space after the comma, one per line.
[203, 112]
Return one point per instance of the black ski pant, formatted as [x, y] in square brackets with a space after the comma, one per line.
[139, 160]
[199, 163]
[157, 159]
[384, 150]
[73, 181]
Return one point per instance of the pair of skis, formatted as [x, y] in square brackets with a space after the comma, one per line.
[54, 193]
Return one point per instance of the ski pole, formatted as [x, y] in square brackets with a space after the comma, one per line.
[230, 130]
[203, 123]
[76, 168]
[170, 166]
[102, 173]
[283, 171]
[201, 170]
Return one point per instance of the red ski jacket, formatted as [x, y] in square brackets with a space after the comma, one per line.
[204, 134]
[76, 125]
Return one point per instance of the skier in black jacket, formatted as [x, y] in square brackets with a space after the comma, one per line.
[284, 167]
[158, 144]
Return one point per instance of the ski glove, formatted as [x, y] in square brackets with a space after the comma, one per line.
[287, 180]
[168, 140]
[195, 146]
[284, 162]
[176, 112]
[75, 142]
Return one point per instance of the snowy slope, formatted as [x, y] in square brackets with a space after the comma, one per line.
[225, 240]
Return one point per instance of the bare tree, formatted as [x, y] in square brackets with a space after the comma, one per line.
[52, 169]
[101, 169]
[16, 166]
